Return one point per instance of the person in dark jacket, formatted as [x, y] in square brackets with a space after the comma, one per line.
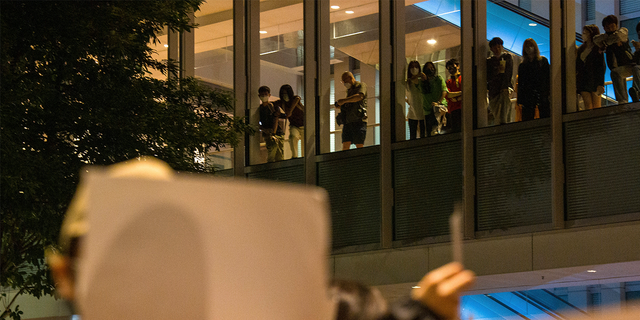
[633, 91]
[533, 82]
[619, 58]
[590, 69]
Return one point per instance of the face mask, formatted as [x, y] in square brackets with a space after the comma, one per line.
[285, 98]
[347, 85]
[264, 98]
[415, 71]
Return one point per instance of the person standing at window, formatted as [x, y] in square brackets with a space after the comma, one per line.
[272, 132]
[533, 82]
[294, 111]
[619, 58]
[415, 100]
[454, 96]
[499, 72]
[435, 91]
[590, 69]
[354, 108]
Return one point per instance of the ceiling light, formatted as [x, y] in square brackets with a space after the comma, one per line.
[348, 12]
[262, 32]
[591, 271]
[532, 24]
[431, 41]
[415, 287]
[335, 7]
[166, 46]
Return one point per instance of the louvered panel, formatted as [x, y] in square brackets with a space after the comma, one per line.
[287, 174]
[427, 182]
[629, 6]
[353, 185]
[603, 166]
[513, 179]
[591, 9]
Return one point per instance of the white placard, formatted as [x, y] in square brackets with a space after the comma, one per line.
[203, 248]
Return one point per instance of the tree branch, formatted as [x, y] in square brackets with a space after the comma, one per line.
[7, 310]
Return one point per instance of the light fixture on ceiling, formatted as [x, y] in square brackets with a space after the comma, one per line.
[166, 46]
[591, 271]
[532, 24]
[415, 287]
[335, 7]
[262, 32]
[431, 41]
[349, 12]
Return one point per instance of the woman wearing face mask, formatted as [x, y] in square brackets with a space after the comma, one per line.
[294, 111]
[415, 99]
[434, 90]
[590, 69]
[533, 82]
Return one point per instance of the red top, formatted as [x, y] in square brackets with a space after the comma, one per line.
[454, 87]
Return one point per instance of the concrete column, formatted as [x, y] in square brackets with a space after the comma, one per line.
[173, 54]
[324, 77]
[482, 47]
[385, 10]
[187, 51]
[468, 42]
[556, 71]
[252, 55]
[239, 82]
[310, 84]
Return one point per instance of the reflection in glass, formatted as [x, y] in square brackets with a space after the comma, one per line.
[432, 38]
[214, 61]
[282, 70]
[354, 48]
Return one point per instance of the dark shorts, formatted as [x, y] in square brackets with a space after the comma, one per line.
[355, 132]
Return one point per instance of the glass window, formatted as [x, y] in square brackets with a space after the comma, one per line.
[517, 62]
[432, 74]
[281, 116]
[354, 61]
[214, 60]
[160, 53]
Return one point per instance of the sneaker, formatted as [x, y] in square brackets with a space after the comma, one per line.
[635, 95]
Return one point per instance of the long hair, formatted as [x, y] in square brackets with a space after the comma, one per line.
[286, 89]
[536, 52]
[411, 65]
[426, 86]
[593, 31]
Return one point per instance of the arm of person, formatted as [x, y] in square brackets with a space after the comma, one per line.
[454, 94]
[350, 99]
[619, 36]
[440, 289]
[508, 71]
[276, 118]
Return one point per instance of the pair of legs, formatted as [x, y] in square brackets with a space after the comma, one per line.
[455, 120]
[500, 107]
[430, 122]
[619, 79]
[275, 147]
[413, 128]
[296, 134]
[591, 100]
[354, 133]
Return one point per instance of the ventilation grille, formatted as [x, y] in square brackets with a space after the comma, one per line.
[427, 182]
[629, 6]
[603, 166]
[353, 185]
[287, 174]
[513, 182]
